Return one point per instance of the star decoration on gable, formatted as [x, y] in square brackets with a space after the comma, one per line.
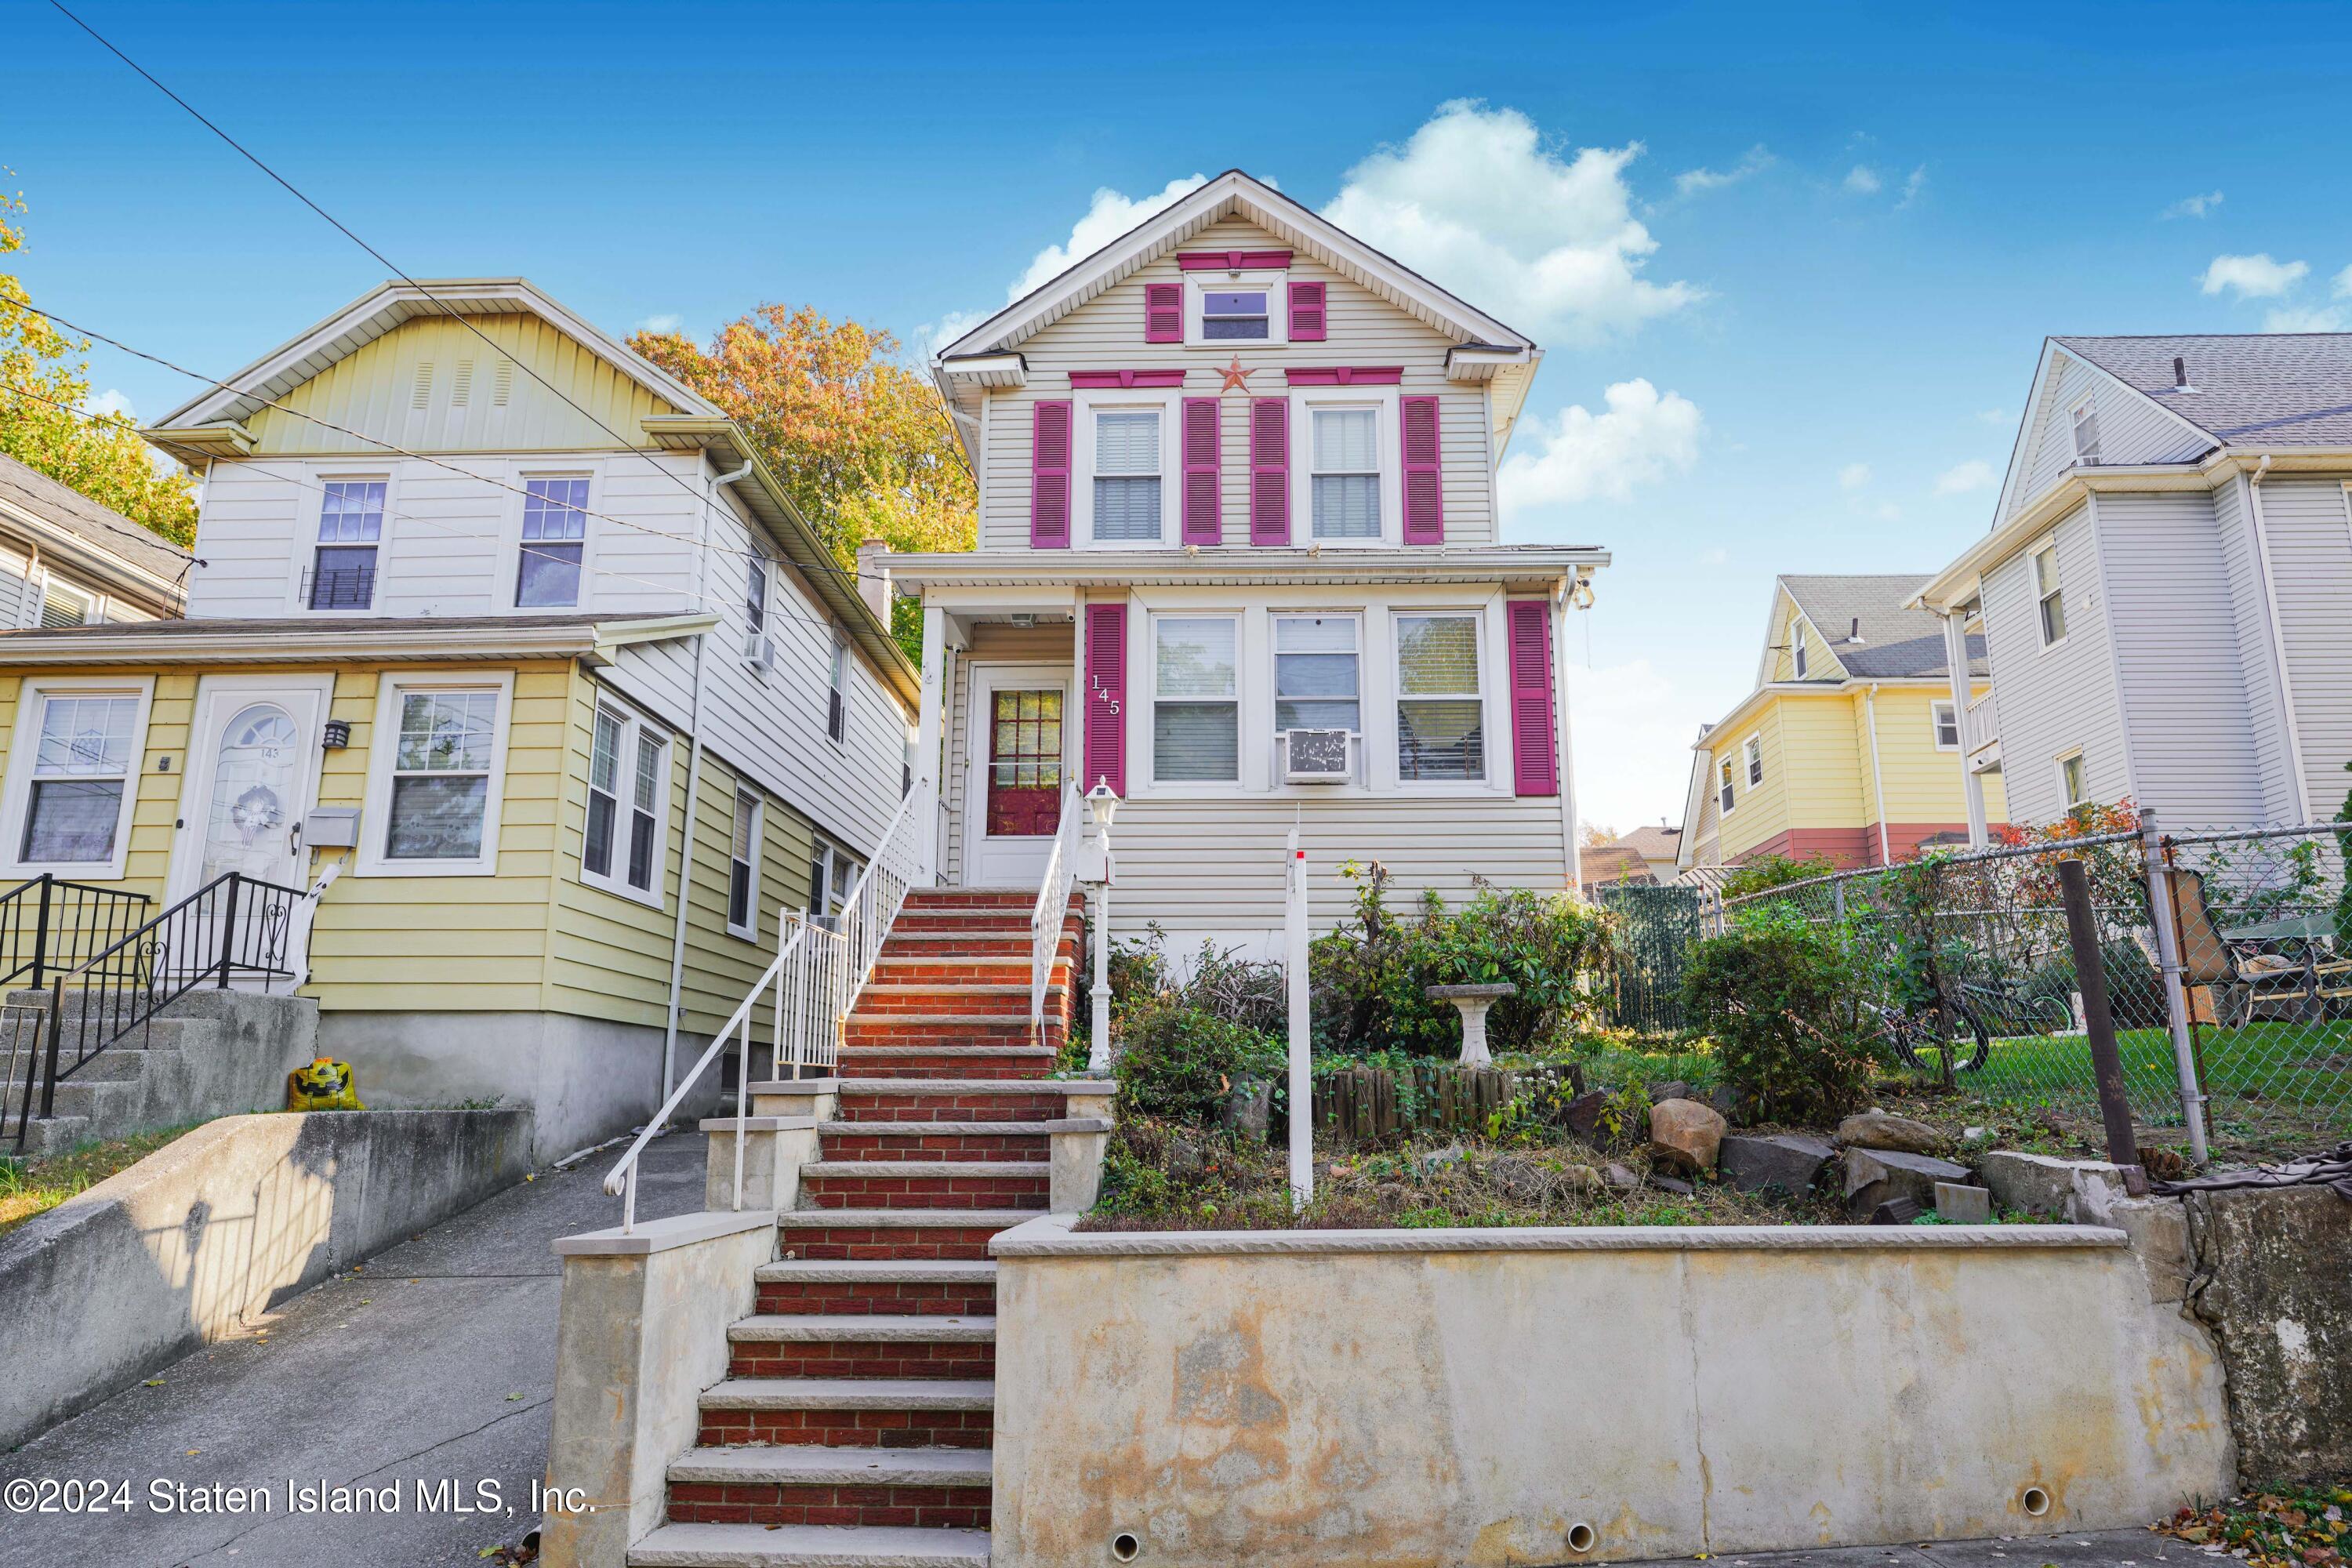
[1235, 377]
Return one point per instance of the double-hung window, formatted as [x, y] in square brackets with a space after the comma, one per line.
[743, 868]
[756, 648]
[1127, 480]
[1317, 675]
[350, 527]
[833, 875]
[2086, 431]
[1753, 754]
[435, 775]
[78, 778]
[2049, 595]
[628, 790]
[1346, 468]
[555, 538]
[63, 604]
[1195, 700]
[2074, 788]
[837, 702]
[1724, 798]
[1946, 721]
[1797, 635]
[1441, 714]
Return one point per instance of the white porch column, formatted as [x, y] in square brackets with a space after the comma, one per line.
[1956, 657]
[929, 726]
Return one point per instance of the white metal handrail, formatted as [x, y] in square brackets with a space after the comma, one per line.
[864, 919]
[1053, 910]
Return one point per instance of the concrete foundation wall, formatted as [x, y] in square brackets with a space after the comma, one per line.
[219, 1226]
[1473, 1396]
[584, 1079]
[2274, 1280]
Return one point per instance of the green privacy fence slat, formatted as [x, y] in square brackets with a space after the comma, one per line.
[1658, 926]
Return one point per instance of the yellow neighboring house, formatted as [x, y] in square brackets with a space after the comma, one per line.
[513, 634]
[1849, 746]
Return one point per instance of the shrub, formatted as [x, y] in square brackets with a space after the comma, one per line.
[1782, 998]
[2135, 990]
[1179, 1061]
[1768, 871]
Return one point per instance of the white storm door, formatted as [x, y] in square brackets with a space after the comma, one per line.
[1016, 740]
[253, 775]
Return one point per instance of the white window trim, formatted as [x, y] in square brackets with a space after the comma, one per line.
[2058, 769]
[1493, 719]
[1275, 282]
[1751, 761]
[18, 798]
[2033, 591]
[1083, 407]
[1149, 729]
[1386, 429]
[375, 815]
[759, 805]
[616, 881]
[1278, 750]
[1726, 786]
[314, 493]
[1936, 708]
[519, 476]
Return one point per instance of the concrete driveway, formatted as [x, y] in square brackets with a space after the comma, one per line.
[433, 1364]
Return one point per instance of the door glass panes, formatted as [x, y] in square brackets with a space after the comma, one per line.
[255, 786]
[1024, 763]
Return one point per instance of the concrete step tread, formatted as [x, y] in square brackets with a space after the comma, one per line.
[875, 1272]
[802, 1465]
[990, 1129]
[903, 1219]
[801, 1328]
[850, 1393]
[808, 1546]
[927, 1167]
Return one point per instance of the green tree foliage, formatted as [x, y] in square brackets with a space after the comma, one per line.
[1782, 997]
[1768, 871]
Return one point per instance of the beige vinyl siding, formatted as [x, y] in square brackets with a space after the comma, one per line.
[721, 966]
[1106, 333]
[373, 390]
[1052, 644]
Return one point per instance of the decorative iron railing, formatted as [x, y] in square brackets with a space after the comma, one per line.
[48, 924]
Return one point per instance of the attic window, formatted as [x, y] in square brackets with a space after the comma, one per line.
[2086, 431]
[1234, 313]
[1800, 653]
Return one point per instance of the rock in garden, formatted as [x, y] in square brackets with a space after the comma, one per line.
[1895, 1211]
[1873, 1177]
[1686, 1134]
[1248, 1111]
[1672, 1088]
[1620, 1177]
[2077, 1190]
[1725, 1099]
[1788, 1161]
[1963, 1205]
[1186, 1161]
[1884, 1129]
[1671, 1184]
[1582, 1115]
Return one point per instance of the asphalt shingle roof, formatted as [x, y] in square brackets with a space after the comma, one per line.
[2291, 388]
[69, 508]
[1896, 642]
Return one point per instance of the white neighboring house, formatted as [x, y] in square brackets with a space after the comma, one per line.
[2166, 591]
[67, 561]
[1239, 557]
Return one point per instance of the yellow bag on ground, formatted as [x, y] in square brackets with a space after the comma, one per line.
[325, 1084]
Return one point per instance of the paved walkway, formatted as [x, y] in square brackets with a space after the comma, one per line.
[434, 1363]
[2089, 1549]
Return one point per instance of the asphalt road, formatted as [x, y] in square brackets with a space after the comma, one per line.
[432, 1364]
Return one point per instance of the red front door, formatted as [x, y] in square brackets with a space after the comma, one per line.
[1024, 763]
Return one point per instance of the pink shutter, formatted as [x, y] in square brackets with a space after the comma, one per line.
[1049, 472]
[1163, 312]
[1202, 524]
[1424, 495]
[1105, 677]
[1269, 470]
[1307, 313]
[1535, 762]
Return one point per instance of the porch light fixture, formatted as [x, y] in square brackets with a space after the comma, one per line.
[338, 734]
[1102, 802]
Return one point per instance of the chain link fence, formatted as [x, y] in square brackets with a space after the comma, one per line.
[2227, 958]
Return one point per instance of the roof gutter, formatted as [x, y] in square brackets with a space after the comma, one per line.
[334, 644]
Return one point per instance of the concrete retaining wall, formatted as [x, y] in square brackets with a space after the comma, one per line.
[1398, 1397]
[2274, 1280]
[218, 1225]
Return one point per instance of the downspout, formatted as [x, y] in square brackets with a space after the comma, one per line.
[693, 788]
[2278, 639]
[1877, 778]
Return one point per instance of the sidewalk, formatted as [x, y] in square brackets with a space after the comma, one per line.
[2089, 1548]
[435, 1362]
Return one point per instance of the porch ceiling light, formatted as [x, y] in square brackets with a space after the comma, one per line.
[1102, 802]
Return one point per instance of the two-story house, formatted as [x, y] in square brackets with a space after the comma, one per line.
[1239, 559]
[2166, 593]
[65, 561]
[519, 633]
[1849, 744]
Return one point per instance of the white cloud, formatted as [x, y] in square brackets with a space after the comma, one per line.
[1641, 438]
[1995, 416]
[1698, 182]
[667, 321]
[1477, 201]
[1976, 474]
[1632, 733]
[1854, 476]
[2192, 206]
[932, 336]
[111, 402]
[1913, 184]
[1107, 216]
[1863, 181]
[1715, 557]
[2308, 319]
[2344, 284]
[2253, 276]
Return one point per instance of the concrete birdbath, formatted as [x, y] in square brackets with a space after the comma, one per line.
[1473, 1001]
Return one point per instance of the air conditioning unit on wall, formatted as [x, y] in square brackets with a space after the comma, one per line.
[759, 651]
[1316, 756]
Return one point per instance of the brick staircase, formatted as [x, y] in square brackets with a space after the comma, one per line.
[854, 1425]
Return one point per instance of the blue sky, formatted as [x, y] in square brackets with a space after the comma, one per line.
[1791, 269]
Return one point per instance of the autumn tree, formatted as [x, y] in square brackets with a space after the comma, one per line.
[44, 385]
[862, 443]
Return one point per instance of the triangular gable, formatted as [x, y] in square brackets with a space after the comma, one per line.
[2039, 423]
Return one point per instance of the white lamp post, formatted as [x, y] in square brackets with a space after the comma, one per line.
[1102, 804]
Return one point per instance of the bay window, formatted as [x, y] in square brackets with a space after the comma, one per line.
[435, 775]
[555, 538]
[1345, 456]
[350, 527]
[1195, 700]
[72, 777]
[1440, 710]
[1128, 484]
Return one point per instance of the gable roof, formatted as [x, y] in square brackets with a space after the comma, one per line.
[2294, 388]
[1654, 842]
[1898, 642]
[32, 499]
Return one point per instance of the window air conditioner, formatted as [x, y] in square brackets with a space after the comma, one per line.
[1316, 756]
[759, 651]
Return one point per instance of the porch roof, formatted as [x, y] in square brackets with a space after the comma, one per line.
[1133, 568]
[337, 641]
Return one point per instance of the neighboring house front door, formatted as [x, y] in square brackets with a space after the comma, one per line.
[253, 773]
[1013, 792]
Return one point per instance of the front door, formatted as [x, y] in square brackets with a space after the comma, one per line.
[1013, 794]
[253, 769]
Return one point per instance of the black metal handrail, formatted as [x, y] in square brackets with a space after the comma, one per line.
[49, 923]
[234, 924]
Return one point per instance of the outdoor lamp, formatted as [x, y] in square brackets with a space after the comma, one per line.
[1102, 802]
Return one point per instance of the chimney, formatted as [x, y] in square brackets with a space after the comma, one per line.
[874, 579]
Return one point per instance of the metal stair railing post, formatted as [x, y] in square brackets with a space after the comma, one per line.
[41, 930]
[228, 930]
[1053, 906]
